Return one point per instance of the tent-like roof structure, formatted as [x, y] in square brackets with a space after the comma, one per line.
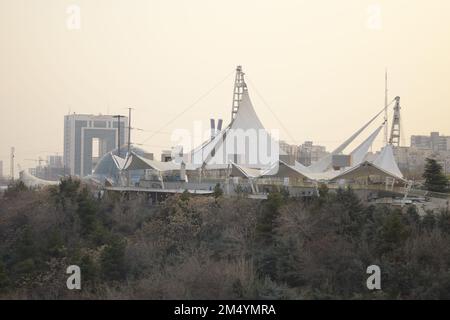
[324, 164]
[246, 117]
[31, 181]
[234, 148]
[284, 170]
[110, 164]
[137, 162]
[366, 169]
[324, 176]
[384, 165]
[359, 154]
[386, 161]
[246, 123]
[244, 172]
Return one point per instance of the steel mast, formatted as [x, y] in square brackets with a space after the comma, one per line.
[239, 87]
[395, 130]
[385, 107]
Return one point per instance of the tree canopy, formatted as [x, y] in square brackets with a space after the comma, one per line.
[217, 248]
[435, 179]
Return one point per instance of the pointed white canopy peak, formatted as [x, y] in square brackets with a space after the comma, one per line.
[355, 135]
[325, 163]
[386, 161]
[358, 155]
[246, 117]
[245, 138]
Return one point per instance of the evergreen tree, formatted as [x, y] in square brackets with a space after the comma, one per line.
[4, 281]
[264, 235]
[87, 211]
[112, 260]
[185, 196]
[435, 180]
[218, 192]
[14, 189]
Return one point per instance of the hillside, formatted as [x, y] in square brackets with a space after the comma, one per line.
[216, 248]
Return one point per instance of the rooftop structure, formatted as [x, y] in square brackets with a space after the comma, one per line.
[244, 151]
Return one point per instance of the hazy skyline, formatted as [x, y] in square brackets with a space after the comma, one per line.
[319, 65]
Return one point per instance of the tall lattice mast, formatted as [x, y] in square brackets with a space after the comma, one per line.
[395, 130]
[385, 107]
[239, 87]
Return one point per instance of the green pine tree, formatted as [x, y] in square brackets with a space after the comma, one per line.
[112, 260]
[218, 192]
[435, 180]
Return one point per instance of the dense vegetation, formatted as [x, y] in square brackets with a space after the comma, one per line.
[435, 179]
[217, 248]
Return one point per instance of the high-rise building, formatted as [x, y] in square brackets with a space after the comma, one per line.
[308, 153]
[53, 168]
[55, 161]
[288, 152]
[89, 137]
[433, 142]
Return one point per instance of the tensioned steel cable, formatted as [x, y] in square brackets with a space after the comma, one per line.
[279, 121]
[189, 107]
[270, 109]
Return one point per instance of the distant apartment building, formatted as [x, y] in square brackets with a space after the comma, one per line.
[52, 170]
[55, 161]
[88, 137]
[288, 152]
[290, 149]
[1, 169]
[434, 142]
[308, 153]
[411, 160]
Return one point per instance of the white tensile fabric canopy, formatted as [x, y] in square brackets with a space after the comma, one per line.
[31, 181]
[366, 169]
[324, 176]
[359, 154]
[386, 161]
[118, 161]
[244, 172]
[136, 162]
[245, 123]
[284, 170]
[384, 165]
[324, 164]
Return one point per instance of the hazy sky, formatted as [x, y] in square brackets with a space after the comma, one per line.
[319, 65]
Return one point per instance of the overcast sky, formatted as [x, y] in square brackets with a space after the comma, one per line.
[318, 66]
